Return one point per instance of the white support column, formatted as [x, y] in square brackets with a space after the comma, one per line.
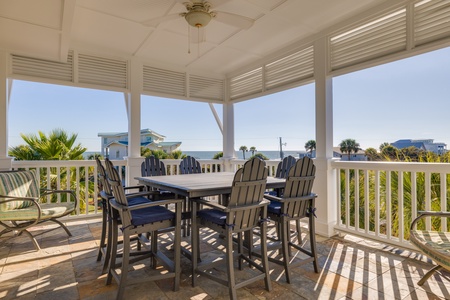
[133, 106]
[228, 134]
[325, 182]
[5, 160]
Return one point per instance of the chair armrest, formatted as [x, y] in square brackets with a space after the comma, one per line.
[46, 192]
[263, 202]
[271, 197]
[139, 187]
[303, 198]
[141, 194]
[119, 206]
[209, 203]
[423, 214]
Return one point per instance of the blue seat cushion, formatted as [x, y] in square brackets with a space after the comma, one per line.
[213, 215]
[272, 193]
[274, 207]
[150, 215]
[137, 200]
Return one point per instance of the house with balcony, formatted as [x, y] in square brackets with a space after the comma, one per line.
[143, 48]
[425, 145]
[114, 145]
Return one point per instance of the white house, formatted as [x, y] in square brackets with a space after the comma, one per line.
[115, 144]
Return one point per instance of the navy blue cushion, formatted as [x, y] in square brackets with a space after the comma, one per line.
[213, 215]
[150, 215]
[272, 193]
[138, 200]
[274, 207]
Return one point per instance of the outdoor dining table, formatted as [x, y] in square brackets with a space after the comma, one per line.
[199, 185]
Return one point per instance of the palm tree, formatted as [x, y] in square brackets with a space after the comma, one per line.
[94, 156]
[310, 146]
[383, 145]
[253, 150]
[372, 154]
[349, 146]
[58, 145]
[218, 155]
[177, 154]
[243, 149]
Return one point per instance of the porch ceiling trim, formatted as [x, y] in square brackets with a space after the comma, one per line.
[388, 33]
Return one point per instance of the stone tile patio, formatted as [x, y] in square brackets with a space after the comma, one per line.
[351, 268]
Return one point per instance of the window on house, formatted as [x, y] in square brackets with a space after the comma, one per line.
[117, 154]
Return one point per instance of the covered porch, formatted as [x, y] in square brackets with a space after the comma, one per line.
[290, 43]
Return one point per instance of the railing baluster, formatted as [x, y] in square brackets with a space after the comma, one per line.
[356, 199]
[347, 198]
[78, 189]
[388, 204]
[400, 202]
[377, 203]
[339, 193]
[428, 198]
[366, 201]
[443, 200]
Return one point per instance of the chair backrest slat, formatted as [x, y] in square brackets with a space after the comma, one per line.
[115, 183]
[284, 166]
[189, 165]
[152, 166]
[106, 187]
[299, 183]
[249, 183]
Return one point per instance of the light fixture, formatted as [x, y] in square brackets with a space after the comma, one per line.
[198, 18]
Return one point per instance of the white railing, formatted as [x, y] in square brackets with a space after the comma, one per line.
[208, 165]
[270, 164]
[81, 176]
[380, 199]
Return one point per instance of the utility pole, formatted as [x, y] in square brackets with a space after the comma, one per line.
[281, 148]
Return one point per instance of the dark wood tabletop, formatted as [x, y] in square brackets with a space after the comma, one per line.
[200, 185]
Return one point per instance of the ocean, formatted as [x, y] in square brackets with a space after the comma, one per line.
[210, 154]
[239, 154]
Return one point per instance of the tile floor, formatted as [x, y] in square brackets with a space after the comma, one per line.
[351, 268]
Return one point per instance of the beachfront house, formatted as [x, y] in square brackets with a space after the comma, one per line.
[425, 145]
[114, 145]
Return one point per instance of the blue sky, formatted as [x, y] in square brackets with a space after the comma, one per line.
[405, 99]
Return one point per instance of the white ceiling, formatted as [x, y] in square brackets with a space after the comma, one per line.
[49, 28]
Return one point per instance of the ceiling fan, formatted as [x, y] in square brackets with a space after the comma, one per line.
[198, 14]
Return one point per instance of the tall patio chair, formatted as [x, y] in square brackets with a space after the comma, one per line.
[297, 202]
[282, 172]
[139, 220]
[246, 210]
[23, 204]
[189, 165]
[152, 166]
[108, 214]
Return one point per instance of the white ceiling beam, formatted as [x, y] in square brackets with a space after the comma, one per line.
[67, 14]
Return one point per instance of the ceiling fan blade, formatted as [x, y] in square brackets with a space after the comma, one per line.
[156, 21]
[234, 20]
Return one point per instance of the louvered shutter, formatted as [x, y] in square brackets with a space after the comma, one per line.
[431, 21]
[40, 68]
[289, 69]
[102, 71]
[246, 84]
[206, 88]
[164, 81]
[383, 35]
